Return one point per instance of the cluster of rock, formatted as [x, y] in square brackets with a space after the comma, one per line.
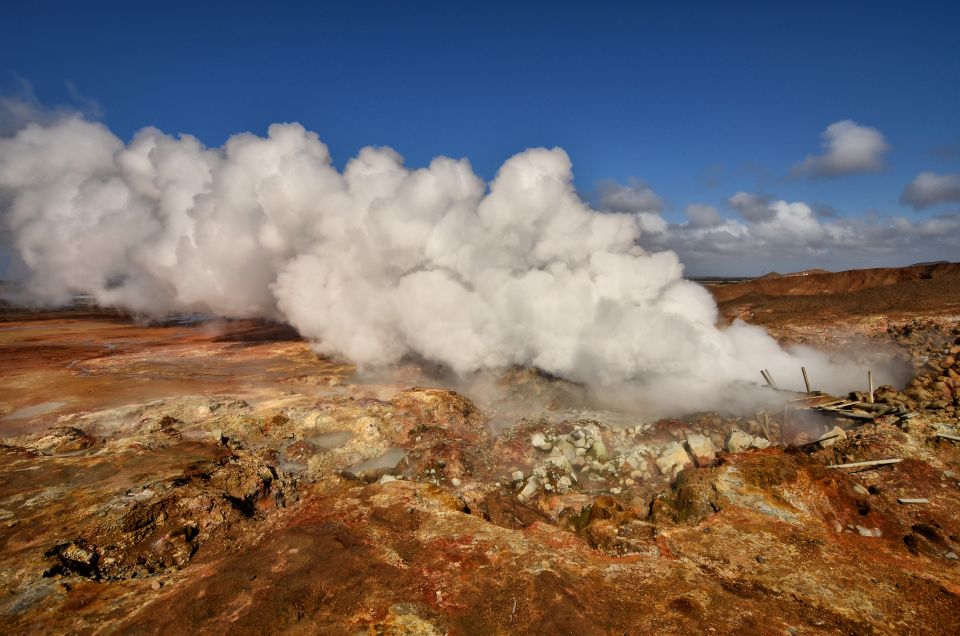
[939, 386]
[582, 459]
[923, 336]
[582, 451]
[739, 441]
[936, 387]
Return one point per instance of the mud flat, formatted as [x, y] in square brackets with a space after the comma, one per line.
[212, 476]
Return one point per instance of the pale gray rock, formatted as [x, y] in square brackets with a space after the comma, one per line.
[701, 448]
[673, 458]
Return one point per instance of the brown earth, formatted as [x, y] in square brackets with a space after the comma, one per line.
[221, 476]
[831, 308]
[820, 282]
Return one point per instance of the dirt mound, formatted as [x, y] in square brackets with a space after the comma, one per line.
[815, 282]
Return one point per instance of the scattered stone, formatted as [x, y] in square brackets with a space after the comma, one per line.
[701, 447]
[739, 441]
[560, 462]
[529, 490]
[860, 490]
[673, 458]
[539, 441]
[579, 439]
[598, 451]
[156, 585]
[386, 479]
[455, 482]
[567, 449]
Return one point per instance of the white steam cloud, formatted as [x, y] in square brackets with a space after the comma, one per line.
[378, 261]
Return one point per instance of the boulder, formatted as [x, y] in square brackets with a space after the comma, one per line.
[560, 462]
[739, 441]
[673, 458]
[533, 485]
[598, 451]
[539, 441]
[701, 448]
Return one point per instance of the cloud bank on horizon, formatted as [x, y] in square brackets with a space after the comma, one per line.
[774, 230]
[378, 261]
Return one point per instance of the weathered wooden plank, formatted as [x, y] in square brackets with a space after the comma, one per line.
[873, 462]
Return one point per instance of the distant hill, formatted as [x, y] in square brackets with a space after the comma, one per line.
[817, 282]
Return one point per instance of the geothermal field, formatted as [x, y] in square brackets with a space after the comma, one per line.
[479, 318]
[198, 474]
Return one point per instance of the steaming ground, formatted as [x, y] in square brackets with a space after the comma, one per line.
[379, 261]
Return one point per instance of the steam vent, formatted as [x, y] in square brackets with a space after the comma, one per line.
[399, 319]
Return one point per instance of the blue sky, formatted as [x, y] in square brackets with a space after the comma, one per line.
[699, 100]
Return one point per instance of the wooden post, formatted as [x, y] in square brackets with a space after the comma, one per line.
[769, 377]
[876, 462]
[783, 427]
[870, 382]
[806, 380]
[766, 379]
[762, 418]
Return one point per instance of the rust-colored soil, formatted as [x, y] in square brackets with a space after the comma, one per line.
[221, 477]
[828, 308]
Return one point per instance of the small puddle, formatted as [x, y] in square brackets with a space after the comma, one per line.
[32, 411]
[334, 439]
[388, 460]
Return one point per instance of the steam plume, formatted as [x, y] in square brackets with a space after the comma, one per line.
[377, 261]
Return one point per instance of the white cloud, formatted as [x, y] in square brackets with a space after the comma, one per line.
[929, 189]
[753, 207]
[635, 196]
[780, 233]
[848, 148]
[703, 215]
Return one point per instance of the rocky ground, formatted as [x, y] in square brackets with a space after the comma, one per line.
[208, 477]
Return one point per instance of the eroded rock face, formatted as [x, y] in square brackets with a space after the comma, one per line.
[160, 525]
[61, 440]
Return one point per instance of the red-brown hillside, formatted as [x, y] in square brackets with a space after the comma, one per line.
[818, 282]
